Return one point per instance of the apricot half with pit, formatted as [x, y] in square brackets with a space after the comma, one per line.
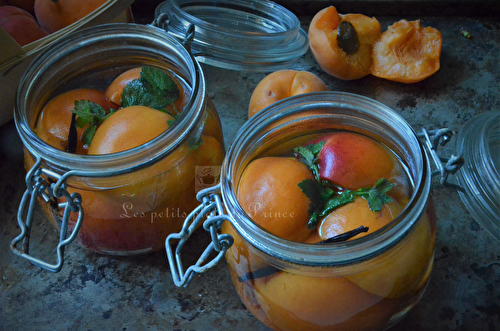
[342, 44]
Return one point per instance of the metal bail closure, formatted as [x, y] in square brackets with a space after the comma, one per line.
[211, 213]
[432, 140]
[37, 185]
[161, 21]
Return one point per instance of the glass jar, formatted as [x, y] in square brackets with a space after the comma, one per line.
[368, 283]
[127, 202]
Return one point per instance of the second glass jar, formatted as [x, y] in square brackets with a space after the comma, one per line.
[131, 199]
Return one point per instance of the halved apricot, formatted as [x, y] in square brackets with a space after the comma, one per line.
[342, 44]
[407, 52]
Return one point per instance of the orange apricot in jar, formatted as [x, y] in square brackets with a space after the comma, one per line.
[53, 124]
[269, 193]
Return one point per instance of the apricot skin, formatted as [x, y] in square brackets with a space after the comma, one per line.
[20, 25]
[353, 161]
[55, 119]
[54, 16]
[269, 193]
[282, 84]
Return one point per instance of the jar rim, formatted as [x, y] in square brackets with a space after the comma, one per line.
[284, 251]
[121, 162]
[253, 35]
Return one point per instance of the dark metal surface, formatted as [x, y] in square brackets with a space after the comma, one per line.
[96, 292]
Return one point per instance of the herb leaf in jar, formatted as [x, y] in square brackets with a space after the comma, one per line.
[90, 113]
[155, 89]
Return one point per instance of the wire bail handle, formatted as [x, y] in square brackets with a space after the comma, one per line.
[163, 21]
[37, 186]
[211, 213]
[432, 140]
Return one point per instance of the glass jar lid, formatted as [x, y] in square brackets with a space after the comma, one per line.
[237, 34]
[479, 144]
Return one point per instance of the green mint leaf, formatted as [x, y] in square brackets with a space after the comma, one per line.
[309, 156]
[314, 191]
[91, 114]
[336, 201]
[159, 80]
[376, 196]
[88, 134]
[383, 185]
[155, 89]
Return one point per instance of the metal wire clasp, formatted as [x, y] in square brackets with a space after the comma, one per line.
[445, 165]
[38, 185]
[211, 213]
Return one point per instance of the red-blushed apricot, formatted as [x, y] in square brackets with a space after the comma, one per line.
[55, 118]
[355, 214]
[354, 161]
[283, 84]
[6, 11]
[27, 5]
[128, 128]
[348, 56]
[268, 191]
[56, 15]
[407, 52]
[20, 25]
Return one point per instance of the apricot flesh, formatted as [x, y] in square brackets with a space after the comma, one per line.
[407, 52]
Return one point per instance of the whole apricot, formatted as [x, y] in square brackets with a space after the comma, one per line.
[268, 191]
[54, 15]
[55, 118]
[283, 84]
[20, 25]
[407, 52]
[354, 161]
[128, 128]
[342, 44]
